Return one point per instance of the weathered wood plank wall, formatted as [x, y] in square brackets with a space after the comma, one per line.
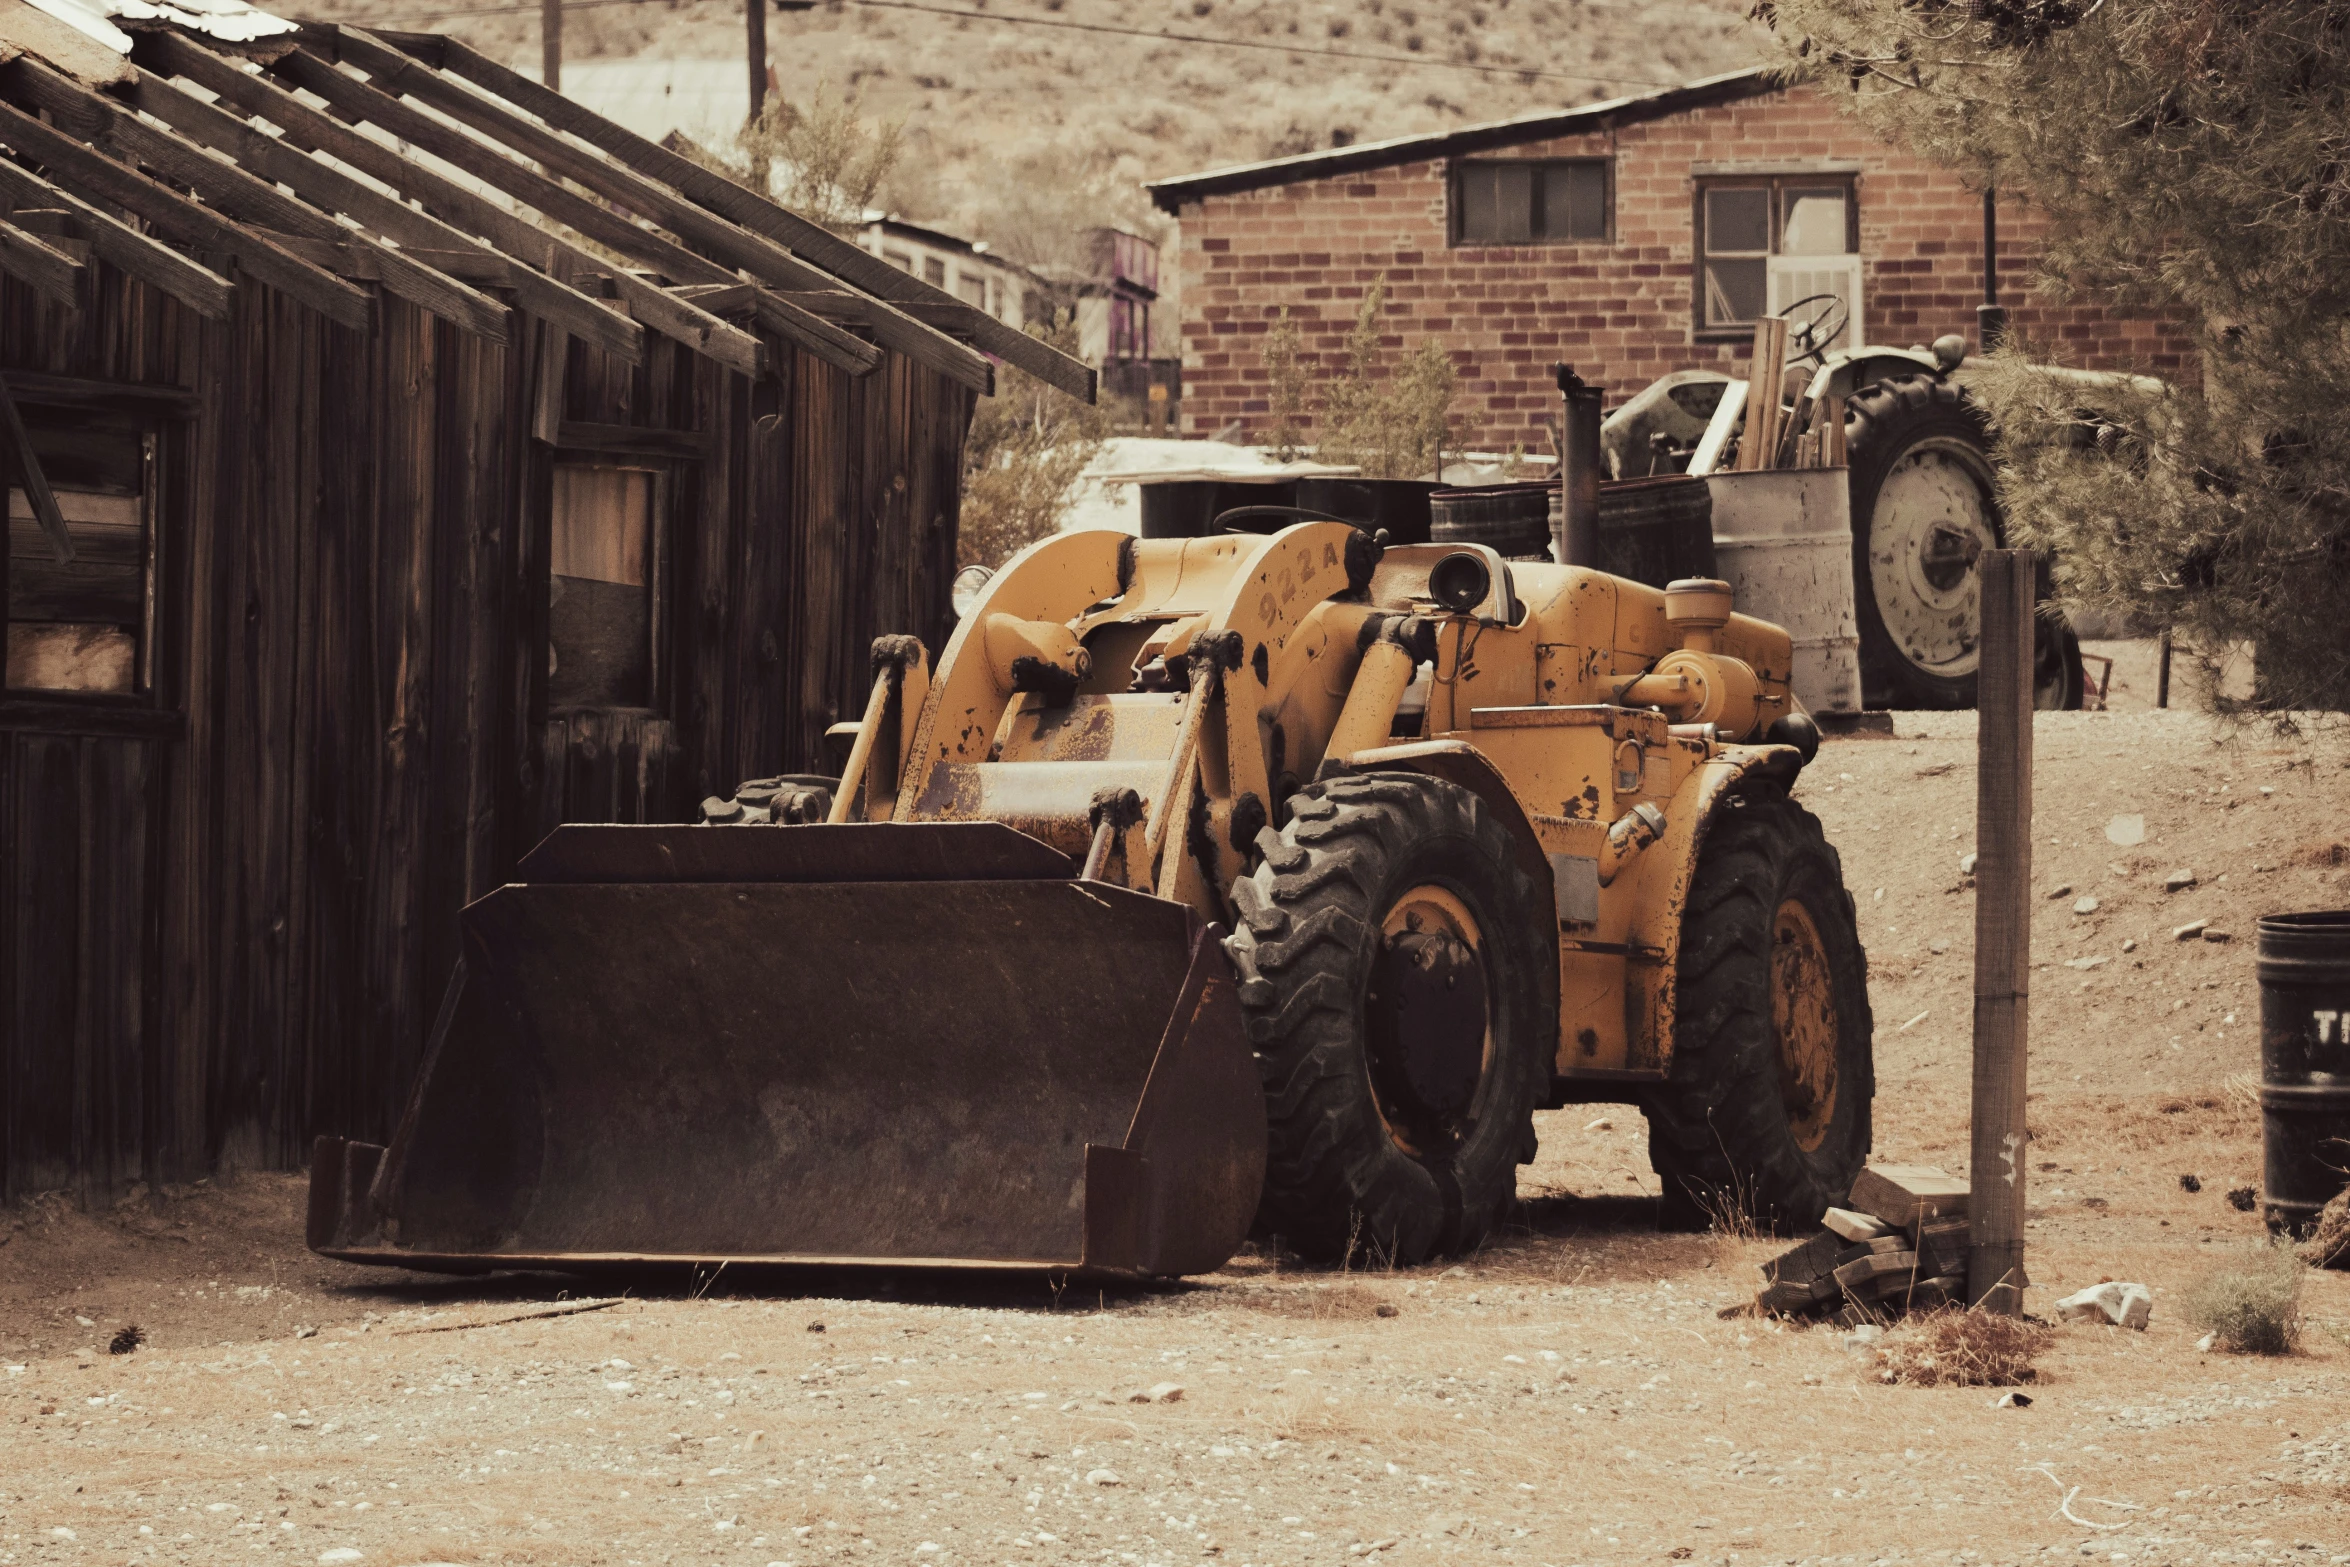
[226, 916]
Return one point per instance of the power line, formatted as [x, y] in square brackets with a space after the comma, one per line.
[1104, 27]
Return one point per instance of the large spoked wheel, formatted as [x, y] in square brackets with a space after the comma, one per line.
[1402, 999]
[1767, 1108]
[1924, 508]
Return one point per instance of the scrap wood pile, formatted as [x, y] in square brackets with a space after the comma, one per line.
[1901, 1245]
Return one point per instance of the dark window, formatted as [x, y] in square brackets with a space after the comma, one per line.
[603, 571]
[1497, 203]
[972, 288]
[934, 271]
[84, 627]
[1747, 227]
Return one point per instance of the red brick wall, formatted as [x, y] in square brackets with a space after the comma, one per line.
[1621, 311]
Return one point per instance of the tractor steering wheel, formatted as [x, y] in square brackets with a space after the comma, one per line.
[1813, 323]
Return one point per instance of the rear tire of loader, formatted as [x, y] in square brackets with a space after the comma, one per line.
[1400, 980]
[1767, 1108]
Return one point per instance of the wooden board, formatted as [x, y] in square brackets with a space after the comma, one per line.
[1902, 1194]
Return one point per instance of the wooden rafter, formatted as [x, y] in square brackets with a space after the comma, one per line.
[399, 73]
[289, 161]
[190, 282]
[28, 258]
[188, 221]
[254, 202]
[811, 241]
[727, 344]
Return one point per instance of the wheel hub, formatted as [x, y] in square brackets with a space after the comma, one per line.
[1426, 1019]
[1931, 524]
[1803, 1015]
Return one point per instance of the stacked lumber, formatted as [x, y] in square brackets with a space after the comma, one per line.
[1900, 1245]
[1785, 427]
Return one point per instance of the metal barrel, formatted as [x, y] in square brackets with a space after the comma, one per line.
[918, 1043]
[2304, 970]
[1513, 518]
[1783, 540]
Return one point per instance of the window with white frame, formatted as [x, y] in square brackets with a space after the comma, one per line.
[1765, 242]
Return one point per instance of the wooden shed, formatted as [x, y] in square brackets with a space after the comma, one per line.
[402, 460]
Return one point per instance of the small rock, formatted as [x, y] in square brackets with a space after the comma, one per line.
[815, 1327]
[1160, 1393]
[63, 1533]
[1863, 1338]
[2012, 1401]
[1456, 1271]
[1102, 1477]
[85, 1322]
[2084, 964]
[305, 1332]
[2179, 881]
[2190, 1183]
[1603, 1124]
[2190, 930]
[2125, 832]
[2087, 905]
[2206, 1341]
[342, 1553]
[2243, 1199]
[1937, 947]
[2129, 1305]
[1966, 864]
[2268, 788]
[2061, 890]
[2130, 945]
[1384, 1310]
[2214, 935]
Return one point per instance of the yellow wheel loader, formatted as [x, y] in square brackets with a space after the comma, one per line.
[1265, 881]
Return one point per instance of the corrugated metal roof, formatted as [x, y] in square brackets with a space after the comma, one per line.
[1170, 194]
[232, 21]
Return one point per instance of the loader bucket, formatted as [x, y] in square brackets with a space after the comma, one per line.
[902, 1043]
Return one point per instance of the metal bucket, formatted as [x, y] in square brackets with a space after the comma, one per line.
[1783, 540]
[902, 1043]
[2304, 969]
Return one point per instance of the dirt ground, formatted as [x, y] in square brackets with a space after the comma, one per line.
[1568, 1395]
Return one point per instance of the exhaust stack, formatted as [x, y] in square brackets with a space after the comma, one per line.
[1579, 460]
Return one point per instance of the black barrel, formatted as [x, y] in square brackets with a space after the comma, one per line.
[2304, 967]
[1657, 530]
[1400, 506]
[1513, 518]
[1188, 508]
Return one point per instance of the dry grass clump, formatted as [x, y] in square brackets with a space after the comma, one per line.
[2252, 1305]
[1954, 1348]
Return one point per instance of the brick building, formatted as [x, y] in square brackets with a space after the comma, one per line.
[1629, 238]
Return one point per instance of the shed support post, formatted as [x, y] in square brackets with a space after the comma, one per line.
[551, 44]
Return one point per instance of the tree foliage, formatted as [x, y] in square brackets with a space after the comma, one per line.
[1393, 424]
[2194, 158]
[819, 158]
[1029, 445]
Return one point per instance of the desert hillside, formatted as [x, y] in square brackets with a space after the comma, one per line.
[1018, 101]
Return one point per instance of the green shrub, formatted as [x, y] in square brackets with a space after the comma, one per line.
[2252, 1305]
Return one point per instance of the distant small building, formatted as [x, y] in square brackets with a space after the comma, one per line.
[965, 268]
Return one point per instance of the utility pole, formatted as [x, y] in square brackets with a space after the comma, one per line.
[755, 29]
[551, 44]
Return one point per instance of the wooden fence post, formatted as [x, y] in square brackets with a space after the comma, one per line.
[2003, 932]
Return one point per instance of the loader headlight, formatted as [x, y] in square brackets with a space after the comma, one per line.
[968, 582]
[1460, 582]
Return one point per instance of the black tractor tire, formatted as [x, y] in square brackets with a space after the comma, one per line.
[1766, 1107]
[1934, 437]
[1403, 1047]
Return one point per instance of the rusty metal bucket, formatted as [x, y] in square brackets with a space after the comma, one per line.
[900, 1043]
